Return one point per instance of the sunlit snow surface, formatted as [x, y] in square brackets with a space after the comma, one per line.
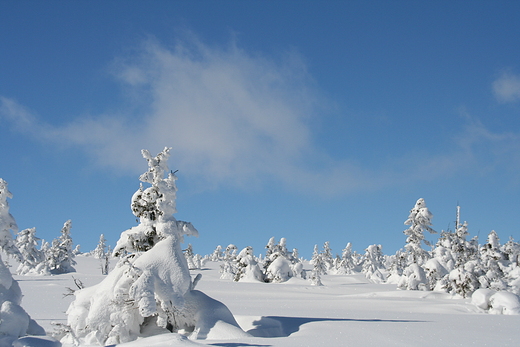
[346, 311]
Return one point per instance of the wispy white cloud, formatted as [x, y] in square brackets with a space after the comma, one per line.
[506, 87]
[240, 119]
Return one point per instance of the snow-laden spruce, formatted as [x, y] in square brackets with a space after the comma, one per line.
[33, 259]
[60, 256]
[7, 223]
[150, 291]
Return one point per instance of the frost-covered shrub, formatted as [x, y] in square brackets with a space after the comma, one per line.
[14, 321]
[150, 291]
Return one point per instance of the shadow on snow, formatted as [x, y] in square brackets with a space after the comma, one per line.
[276, 326]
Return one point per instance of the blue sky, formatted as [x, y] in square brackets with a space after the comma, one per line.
[314, 121]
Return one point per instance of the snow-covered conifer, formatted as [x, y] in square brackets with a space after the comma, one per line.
[228, 270]
[217, 254]
[101, 248]
[33, 259]
[327, 257]
[102, 252]
[150, 291]
[230, 252]
[318, 267]
[346, 265]
[190, 258]
[247, 266]
[373, 266]
[7, 223]
[397, 264]
[420, 221]
[492, 258]
[60, 255]
[279, 264]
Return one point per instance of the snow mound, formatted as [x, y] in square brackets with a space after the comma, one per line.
[504, 303]
[213, 320]
[494, 302]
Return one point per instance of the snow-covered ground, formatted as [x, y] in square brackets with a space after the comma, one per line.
[346, 311]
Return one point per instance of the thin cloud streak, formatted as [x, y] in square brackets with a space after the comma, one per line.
[241, 120]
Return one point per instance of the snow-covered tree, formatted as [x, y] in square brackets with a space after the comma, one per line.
[279, 264]
[396, 266]
[102, 252]
[217, 254]
[373, 266]
[7, 223]
[318, 267]
[327, 257]
[190, 257]
[511, 250]
[419, 221]
[492, 258]
[247, 268]
[230, 252]
[101, 248]
[14, 321]
[150, 291]
[61, 256]
[33, 259]
[346, 265]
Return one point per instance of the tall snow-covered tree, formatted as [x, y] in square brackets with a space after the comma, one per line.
[150, 291]
[327, 257]
[7, 223]
[318, 267]
[60, 255]
[492, 258]
[419, 221]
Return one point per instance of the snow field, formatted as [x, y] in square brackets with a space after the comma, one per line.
[347, 311]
